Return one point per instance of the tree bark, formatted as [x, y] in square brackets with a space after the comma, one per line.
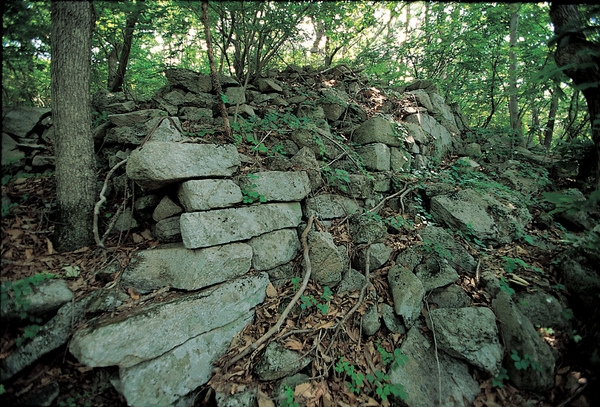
[549, 130]
[513, 103]
[213, 68]
[116, 85]
[72, 24]
[580, 60]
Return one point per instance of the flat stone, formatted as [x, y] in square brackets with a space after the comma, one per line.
[175, 266]
[206, 194]
[407, 292]
[283, 186]
[203, 229]
[330, 206]
[274, 248]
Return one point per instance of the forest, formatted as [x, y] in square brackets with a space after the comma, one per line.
[515, 86]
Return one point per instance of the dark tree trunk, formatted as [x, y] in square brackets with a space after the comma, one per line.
[72, 24]
[549, 130]
[116, 85]
[580, 60]
[213, 68]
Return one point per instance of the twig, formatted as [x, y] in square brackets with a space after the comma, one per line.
[437, 357]
[99, 242]
[477, 272]
[404, 190]
[287, 310]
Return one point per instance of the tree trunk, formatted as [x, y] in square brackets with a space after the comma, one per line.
[580, 60]
[72, 24]
[549, 130]
[116, 85]
[213, 68]
[513, 102]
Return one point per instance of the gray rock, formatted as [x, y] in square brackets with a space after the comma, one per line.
[370, 320]
[175, 97]
[282, 274]
[42, 397]
[179, 371]
[235, 96]
[291, 382]
[152, 166]
[317, 140]
[266, 85]
[274, 248]
[360, 186]
[151, 331]
[175, 266]
[306, 160]
[543, 309]
[196, 114]
[327, 261]
[203, 229]
[391, 320]
[46, 297]
[460, 259]
[20, 121]
[438, 135]
[470, 334]
[57, 331]
[168, 129]
[520, 336]
[489, 220]
[415, 132]
[421, 375]
[435, 272]
[277, 362]
[376, 130]
[10, 151]
[165, 209]
[443, 113]
[125, 135]
[451, 296]
[472, 150]
[379, 255]
[42, 161]
[353, 281]
[133, 118]
[376, 156]
[382, 181]
[365, 229]
[410, 258]
[204, 100]
[242, 399]
[407, 292]
[330, 206]
[190, 80]
[399, 160]
[168, 230]
[282, 185]
[125, 222]
[205, 194]
[580, 276]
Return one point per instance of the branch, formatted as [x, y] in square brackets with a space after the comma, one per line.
[99, 242]
[287, 310]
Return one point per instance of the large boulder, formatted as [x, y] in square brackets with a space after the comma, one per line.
[157, 164]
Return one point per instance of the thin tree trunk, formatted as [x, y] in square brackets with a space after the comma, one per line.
[117, 84]
[549, 130]
[213, 68]
[580, 60]
[513, 103]
[72, 24]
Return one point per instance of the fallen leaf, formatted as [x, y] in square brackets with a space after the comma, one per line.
[305, 390]
[271, 291]
[264, 400]
[133, 294]
[137, 238]
[71, 271]
[28, 253]
[293, 344]
[50, 246]
[147, 234]
[14, 233]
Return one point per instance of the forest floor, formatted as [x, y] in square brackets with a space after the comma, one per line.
[27, 250]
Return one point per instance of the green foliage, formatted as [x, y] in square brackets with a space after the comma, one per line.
[525, 362]
[7, 208]
[289, 398]
[504, 286]
[307, 301]
[498, 380]
[296, 283]
[513, 264]
[569, 203]
[336, 177]
[28, 333]
[249, 193]
[431, 247]
[2, 389]
[20, 289]
[378, 379]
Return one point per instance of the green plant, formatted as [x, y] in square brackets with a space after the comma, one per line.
[289, 398]
[296, 283]
[356, 379]
[504, 286]
[512, 264]
[498, 380]
[7, 208]
[20, 289]
[29, 332]
[525, 362]
[336, 177]
[378, 379]
[307, 301]
[249, 193]
[431, 247]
